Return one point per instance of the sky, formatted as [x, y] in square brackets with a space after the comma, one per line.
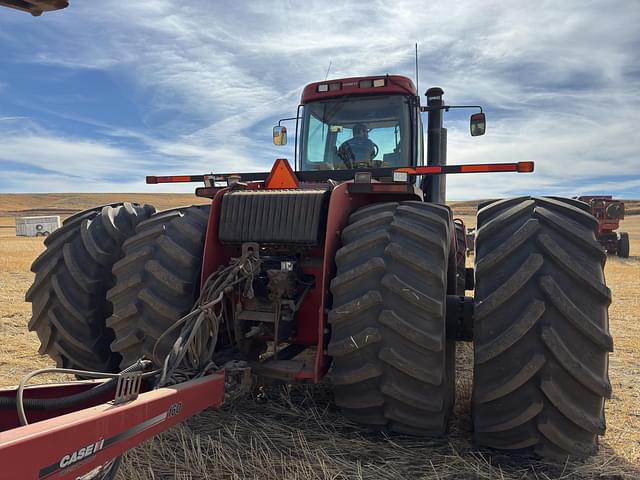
[98, 95]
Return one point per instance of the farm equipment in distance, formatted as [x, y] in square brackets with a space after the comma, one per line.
[348, 264]
[609, 212]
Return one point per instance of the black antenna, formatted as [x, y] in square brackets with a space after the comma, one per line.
[417, 83]
[327, 75]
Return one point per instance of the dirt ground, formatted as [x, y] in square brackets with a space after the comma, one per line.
[296, 432]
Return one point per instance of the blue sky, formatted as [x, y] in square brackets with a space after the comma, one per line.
[96, 96]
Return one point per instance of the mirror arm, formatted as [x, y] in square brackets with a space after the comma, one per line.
[286, 119]
[447, 107]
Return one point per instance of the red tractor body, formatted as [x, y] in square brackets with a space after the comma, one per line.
[323, 192]
[315, 260]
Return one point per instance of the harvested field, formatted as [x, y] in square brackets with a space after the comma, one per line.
[296, 432]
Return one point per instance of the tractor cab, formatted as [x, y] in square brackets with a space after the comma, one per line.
[365, 122]
[371, 124]
[365, 132]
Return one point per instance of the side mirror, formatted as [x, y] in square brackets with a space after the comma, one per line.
[477, 124]
[279, 135]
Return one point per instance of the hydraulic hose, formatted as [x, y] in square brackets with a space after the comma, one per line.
[68, 401]
[7, 403]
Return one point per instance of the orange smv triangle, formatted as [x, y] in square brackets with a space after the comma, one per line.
[281, 176]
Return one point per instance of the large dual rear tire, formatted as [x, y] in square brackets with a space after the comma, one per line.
[541, 330]
[73, 274]
[157, 282]
[393, 366]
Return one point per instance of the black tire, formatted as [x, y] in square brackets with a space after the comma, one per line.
[623, 245]
[157, 281]
[461, 258]
[393, 366]
[484, 203]
[575, 202]
[73, 274]
[541, 331]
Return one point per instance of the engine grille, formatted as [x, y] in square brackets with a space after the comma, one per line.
[274, 217]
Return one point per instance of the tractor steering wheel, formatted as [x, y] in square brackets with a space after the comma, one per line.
[357, 152]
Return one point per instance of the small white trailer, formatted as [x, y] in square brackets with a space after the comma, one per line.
[36, 226]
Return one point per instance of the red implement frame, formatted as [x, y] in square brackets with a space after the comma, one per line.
[67, 446]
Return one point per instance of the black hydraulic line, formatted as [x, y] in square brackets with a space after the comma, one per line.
[46, 404]
[9, 403]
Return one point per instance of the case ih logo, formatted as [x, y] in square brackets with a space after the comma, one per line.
[78, 455]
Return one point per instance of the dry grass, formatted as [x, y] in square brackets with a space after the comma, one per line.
[297, 432]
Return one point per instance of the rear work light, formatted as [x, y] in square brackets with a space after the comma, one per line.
[362, 177]
[379, 82]
[324, 87]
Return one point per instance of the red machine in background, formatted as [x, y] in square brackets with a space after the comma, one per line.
[609, 212]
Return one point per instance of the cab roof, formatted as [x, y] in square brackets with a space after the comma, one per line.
[375, 84]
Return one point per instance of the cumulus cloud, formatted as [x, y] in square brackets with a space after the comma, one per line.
[559, 82]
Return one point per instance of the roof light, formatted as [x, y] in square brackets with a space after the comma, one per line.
[366, 83]
[379, 82]
[324, 87]
[334, 86]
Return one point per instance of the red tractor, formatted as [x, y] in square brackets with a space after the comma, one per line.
[609, 212]
[350, 264]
